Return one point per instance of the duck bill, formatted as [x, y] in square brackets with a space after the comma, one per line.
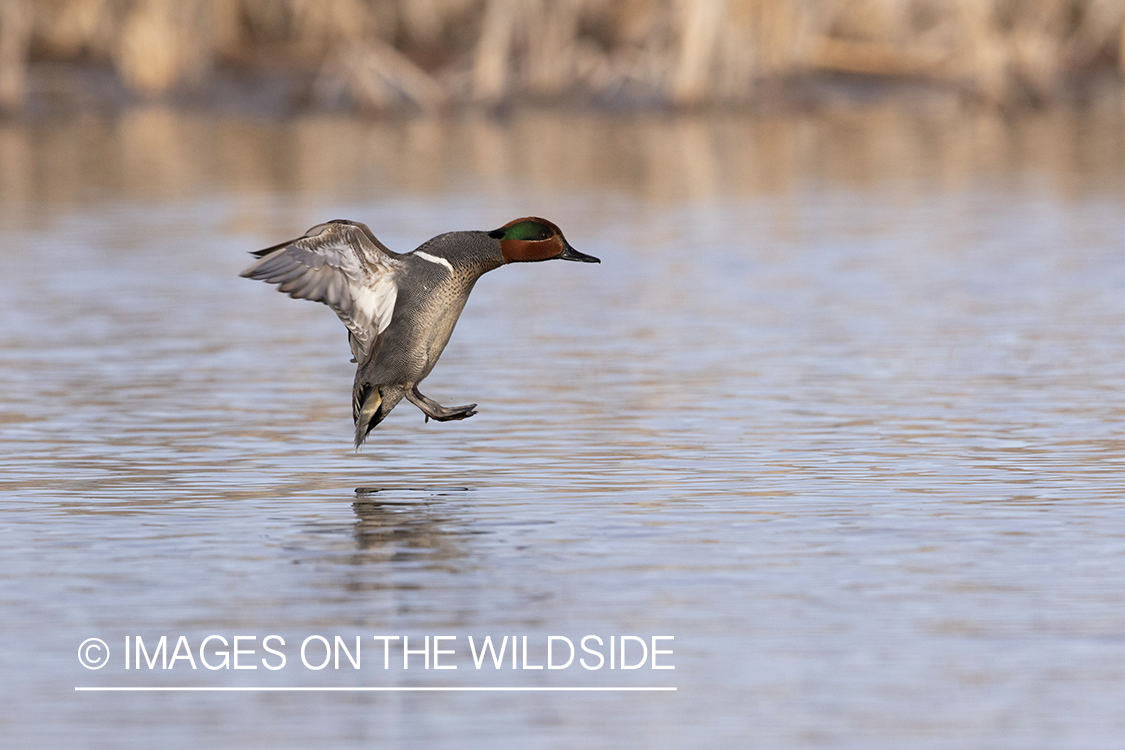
[569, 253]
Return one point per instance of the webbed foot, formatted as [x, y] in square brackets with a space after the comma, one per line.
[433, 410]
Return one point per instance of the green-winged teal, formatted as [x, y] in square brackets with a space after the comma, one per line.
[400, 309]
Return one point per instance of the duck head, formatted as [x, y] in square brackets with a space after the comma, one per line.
[532, 238]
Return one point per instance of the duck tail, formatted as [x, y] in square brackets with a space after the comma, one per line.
[366, 413]
[370, 406]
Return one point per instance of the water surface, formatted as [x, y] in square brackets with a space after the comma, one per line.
[840, 410]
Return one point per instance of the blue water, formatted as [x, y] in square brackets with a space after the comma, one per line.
[852, 436]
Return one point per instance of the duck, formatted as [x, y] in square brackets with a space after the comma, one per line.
[400, 308]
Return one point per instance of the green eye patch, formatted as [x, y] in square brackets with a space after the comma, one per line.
[525, 230]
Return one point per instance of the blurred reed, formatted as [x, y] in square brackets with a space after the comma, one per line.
[431, 54]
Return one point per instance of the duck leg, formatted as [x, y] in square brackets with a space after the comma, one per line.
[433, 410]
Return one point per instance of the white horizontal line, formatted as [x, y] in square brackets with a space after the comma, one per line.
[445, 689]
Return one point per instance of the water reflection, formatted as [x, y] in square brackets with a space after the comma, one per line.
[157, 153]
[406, 525]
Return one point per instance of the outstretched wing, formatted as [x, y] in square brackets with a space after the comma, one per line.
[343, 265]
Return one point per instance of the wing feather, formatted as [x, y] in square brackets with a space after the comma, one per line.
[343, 265]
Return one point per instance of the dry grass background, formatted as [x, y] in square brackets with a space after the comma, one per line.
[432, 54]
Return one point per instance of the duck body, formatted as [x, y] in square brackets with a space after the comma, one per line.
[400, 309]
[431, 297]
